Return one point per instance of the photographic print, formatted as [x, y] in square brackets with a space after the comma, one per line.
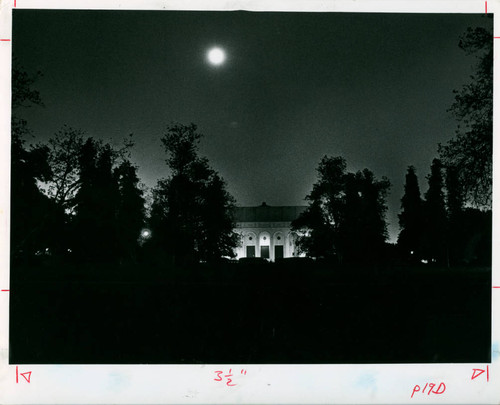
[237, 187]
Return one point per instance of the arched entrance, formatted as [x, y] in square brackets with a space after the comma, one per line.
[279, 245]
[264, 243]
[250, 244]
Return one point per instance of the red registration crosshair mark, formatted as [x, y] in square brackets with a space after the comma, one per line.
[476, 372]
[26, 375]
[4, 40]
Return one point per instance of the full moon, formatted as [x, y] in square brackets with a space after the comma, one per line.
[216, 56]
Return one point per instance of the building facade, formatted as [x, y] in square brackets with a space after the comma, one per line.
[265, 231]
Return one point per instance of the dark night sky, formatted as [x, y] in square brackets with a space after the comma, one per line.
[374, 88]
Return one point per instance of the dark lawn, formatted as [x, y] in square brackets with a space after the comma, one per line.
[296, 313]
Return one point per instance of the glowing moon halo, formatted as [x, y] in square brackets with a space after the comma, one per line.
[216, 56]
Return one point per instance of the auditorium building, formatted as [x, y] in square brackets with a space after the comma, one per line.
[266, 231]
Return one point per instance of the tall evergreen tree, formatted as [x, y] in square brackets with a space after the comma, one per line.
[411, 217]
[435, 220]
[455, 207]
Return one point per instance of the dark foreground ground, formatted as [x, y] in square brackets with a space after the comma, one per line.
[291, 313]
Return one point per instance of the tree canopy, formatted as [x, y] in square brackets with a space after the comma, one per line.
[192, 212]
[33, 216]
[346, 214]
[471, 150]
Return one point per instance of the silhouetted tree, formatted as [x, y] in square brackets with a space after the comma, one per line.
[217, 238]
[363, 230]
[23, 96]
[318, 226]
[471, 150]
[64, 152]
[86, 202]
[373, 209]
[32, 214]
[346, 214]
[191, 213]
[34, 220]
[65, 149]
[315, 234]
[435, 217]
[469, 229]
[454, 206]
[106, 187]
[411, 218]
[157, 246]
[130, 211]
[454, 193]
[476, 241]
[96, 204]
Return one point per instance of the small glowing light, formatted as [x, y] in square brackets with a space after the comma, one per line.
[411, 252]
[145, 233]
[216, 56]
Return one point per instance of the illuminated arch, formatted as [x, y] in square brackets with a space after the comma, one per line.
[278, 238]
[264, 238]
[250, 239]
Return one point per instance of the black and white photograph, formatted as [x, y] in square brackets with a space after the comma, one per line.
[250, 187]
